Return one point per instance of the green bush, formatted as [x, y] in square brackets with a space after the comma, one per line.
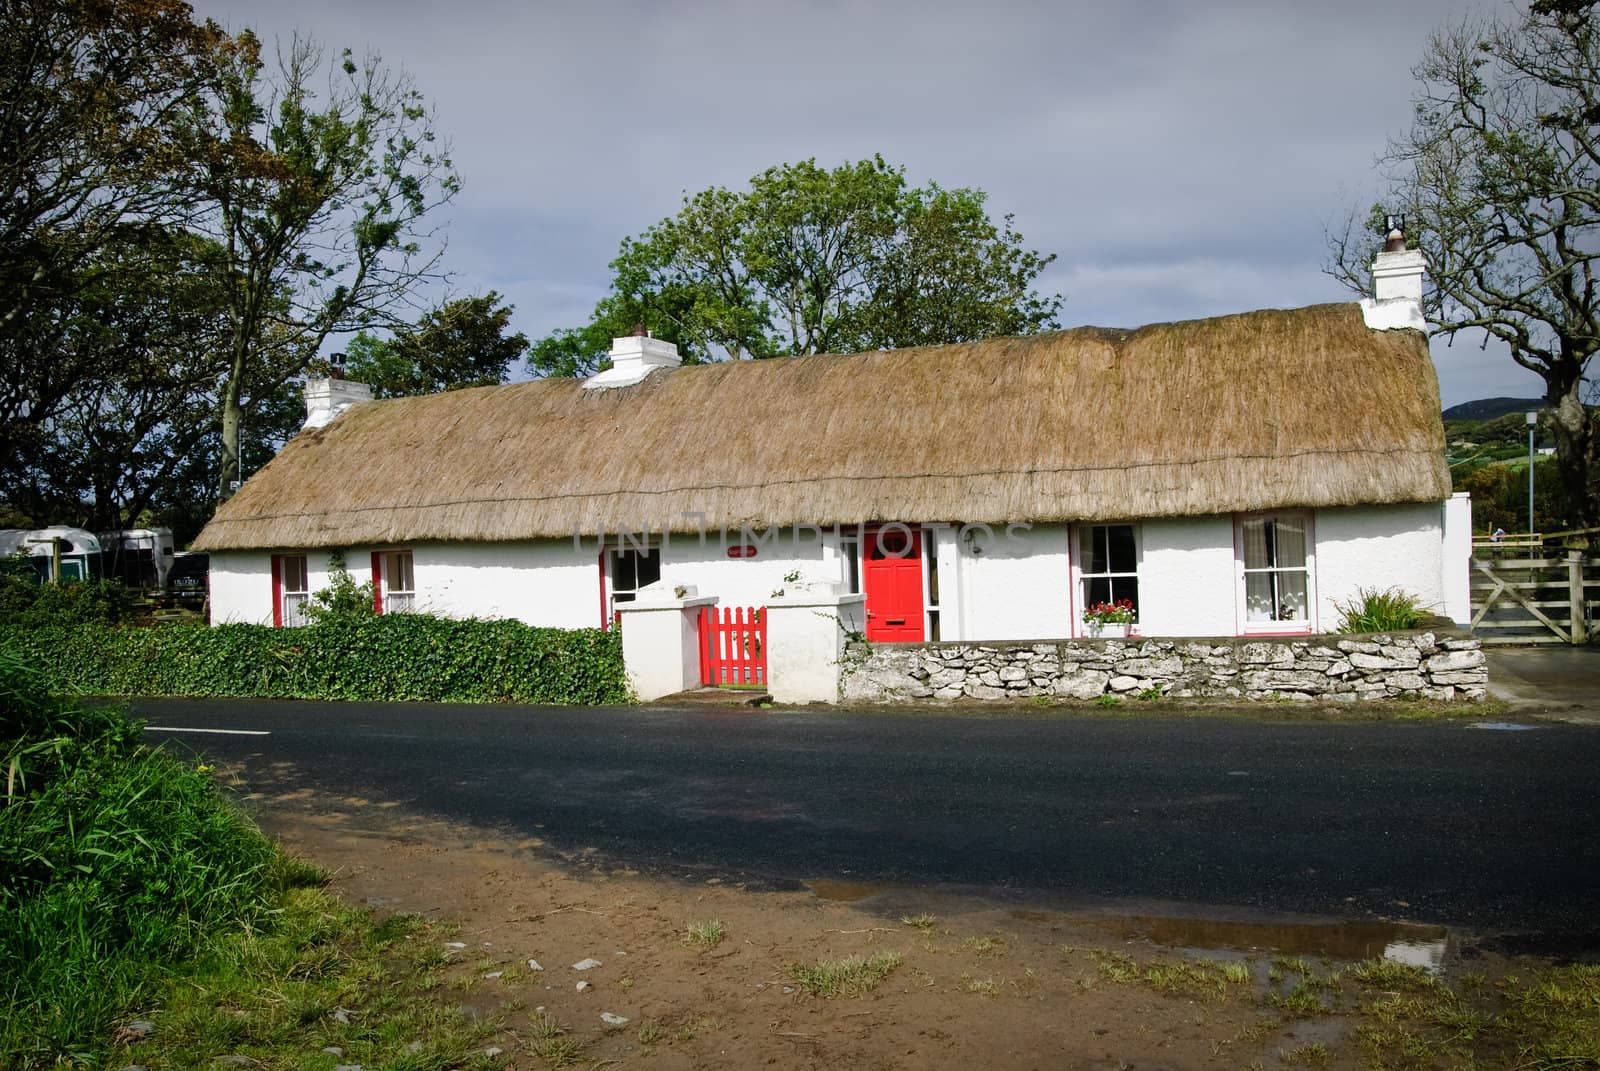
[25, 603]
[115, 862]
[1379, 611]
[375, 659]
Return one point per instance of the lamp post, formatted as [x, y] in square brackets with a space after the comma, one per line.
[1533, 420]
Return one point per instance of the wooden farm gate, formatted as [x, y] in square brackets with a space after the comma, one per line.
[733, 646]
[1540, 596]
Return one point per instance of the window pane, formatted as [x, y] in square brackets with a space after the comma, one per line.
[624, 570]
[1093, 544]
[400, 571]
[294, 609]
[649, 567]
[931, 553]
[1123, 555]
[1096, 589]
[1256, 553]
[1291, 543]
[850, 551]
[1259, 596]
[1125, 587]
[1291, 593]
[294, 573]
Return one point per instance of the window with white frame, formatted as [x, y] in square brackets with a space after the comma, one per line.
[291, 588]
[930, 581]
[399, 583]
[1276, 552]
[1108, 565]
[629, 569]
[850, 563]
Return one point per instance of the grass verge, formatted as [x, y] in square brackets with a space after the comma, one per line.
[144, 920]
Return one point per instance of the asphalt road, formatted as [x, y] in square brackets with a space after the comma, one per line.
[1489, 829]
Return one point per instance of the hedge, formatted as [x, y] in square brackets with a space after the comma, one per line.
[378, 659]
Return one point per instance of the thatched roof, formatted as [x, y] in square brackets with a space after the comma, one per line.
[1305, 407]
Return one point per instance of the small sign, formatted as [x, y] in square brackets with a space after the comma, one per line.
[743, 551]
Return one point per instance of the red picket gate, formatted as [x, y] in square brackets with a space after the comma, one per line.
[733, 647]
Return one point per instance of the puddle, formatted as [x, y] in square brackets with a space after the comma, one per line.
[843, 892]
[1504, 726]
[1419, 946]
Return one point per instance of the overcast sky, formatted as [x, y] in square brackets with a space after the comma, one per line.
[1181, 159]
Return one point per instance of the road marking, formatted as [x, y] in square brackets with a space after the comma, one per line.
[219, 732]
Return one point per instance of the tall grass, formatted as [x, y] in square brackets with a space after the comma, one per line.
[1379, 611]
[115, 862]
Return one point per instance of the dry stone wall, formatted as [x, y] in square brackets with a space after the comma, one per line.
[1436, 664]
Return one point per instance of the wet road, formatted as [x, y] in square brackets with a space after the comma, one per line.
[1490, 829]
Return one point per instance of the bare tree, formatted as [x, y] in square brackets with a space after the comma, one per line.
[1499, 178]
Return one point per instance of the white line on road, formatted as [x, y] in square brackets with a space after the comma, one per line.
[219, 732]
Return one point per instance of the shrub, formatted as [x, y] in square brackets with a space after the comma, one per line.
[343, 598]
[25, 603]
[1379, 611]
[395, 657]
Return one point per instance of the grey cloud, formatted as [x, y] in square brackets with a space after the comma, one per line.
[1180, 158]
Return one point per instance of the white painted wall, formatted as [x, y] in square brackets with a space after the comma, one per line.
[996, 587]
[1186, 577]
[241, 588]
[548, 582]
[1378, 547]
[1012, 587]
[744, 581]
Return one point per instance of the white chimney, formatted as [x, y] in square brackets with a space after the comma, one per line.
[1396, 286]
[634, 357]
[327, 397]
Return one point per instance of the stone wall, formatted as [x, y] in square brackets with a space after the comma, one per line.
[1435, 664]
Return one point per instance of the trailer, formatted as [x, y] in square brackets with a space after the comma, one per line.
[55, 555]
[139, 557]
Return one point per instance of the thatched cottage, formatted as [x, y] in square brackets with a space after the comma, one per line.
[1228, 476]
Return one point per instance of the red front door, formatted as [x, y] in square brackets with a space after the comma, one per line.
[892, 576]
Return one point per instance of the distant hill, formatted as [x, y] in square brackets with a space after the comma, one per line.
[1490, 408]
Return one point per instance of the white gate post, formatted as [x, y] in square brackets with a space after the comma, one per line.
[661, 640]
[1456, 559]
[1578, 611]
[806, 632]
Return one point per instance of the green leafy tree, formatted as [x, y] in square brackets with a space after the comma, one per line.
[1499, 180]
[94, 161]
[313, 179]
[462, 343]
[811, 260]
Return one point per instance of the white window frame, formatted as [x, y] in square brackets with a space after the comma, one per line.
[1079, 600]
[1298, 627]
[932, 617]
[613, 550]
[398, 598]
[849, 550]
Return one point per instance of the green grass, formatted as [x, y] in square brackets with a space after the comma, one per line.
[705, 935]
[116, 862]
[846, 977]
[129, 889]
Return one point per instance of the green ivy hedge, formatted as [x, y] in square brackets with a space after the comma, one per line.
[375, 659]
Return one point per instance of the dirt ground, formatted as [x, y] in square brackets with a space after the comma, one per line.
[982, 983]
